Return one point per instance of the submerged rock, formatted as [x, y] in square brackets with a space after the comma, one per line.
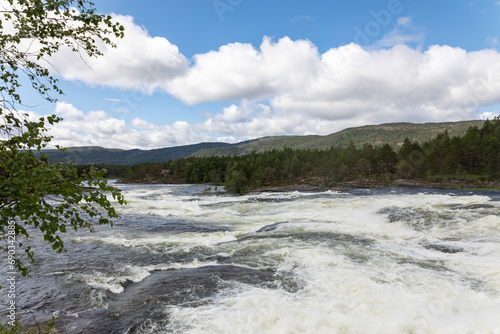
[444, 248]
[474, 207]
[191, 287]
[270, 227]
[95, 321]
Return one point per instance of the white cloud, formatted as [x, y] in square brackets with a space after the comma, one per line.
[403, 33]
[97, 128]
[238, 71]
[344, 82]
[142, 124]
[489, 115]
[140, 62]
[492, 40]
[287, 87]
[404, 21]
[236, 113]
[283, 87]
[399, 83]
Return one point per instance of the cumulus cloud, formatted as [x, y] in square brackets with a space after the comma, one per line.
[140, 62]
[403, 33]
[238, 71]
[236, 113]
[489, 115]
[292, 89]
[348, 82]
[282, 86]
[344, 82]
[98, 128]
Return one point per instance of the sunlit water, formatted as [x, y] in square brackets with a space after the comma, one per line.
[366, 261]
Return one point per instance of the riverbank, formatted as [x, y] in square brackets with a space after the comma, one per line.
[365, 184]
[317, 185]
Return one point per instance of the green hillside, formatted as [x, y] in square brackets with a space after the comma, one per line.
[392, 133]
[468, 161]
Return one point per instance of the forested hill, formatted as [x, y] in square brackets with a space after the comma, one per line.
[393, 134]
[469, 161]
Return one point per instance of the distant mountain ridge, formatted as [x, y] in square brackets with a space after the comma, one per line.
[392, 133]
[99, 155]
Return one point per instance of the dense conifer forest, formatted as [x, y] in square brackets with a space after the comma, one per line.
[472, 160]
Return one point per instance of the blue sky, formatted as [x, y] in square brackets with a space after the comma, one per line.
[230, 70]
[196, 26]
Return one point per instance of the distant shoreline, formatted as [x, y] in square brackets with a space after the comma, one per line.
[363, 184]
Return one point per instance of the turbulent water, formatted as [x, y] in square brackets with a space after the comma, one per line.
[365, 261]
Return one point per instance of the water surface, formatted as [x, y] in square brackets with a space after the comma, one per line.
[365, 261]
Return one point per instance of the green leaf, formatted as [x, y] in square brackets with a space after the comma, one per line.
[28, 181]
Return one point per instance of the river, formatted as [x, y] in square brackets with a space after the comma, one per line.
[182, 259]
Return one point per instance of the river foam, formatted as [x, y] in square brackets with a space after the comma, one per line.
[367, 261]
